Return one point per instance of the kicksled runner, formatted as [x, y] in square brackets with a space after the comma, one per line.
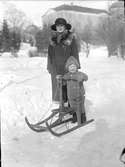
[61, 120]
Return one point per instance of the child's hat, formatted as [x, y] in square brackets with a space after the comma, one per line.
[72, 60]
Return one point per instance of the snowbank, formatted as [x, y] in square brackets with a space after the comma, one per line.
[9, 63]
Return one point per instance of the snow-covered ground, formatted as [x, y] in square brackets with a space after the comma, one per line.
[25, 90]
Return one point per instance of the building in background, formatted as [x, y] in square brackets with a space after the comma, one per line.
[76, 15]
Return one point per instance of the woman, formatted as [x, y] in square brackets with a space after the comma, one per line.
[62, 45]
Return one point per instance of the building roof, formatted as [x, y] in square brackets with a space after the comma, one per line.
[119, 4]
[79, 9]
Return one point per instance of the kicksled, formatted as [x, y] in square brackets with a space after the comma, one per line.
[60, 122]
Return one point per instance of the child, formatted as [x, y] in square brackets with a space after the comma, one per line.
[75, 89]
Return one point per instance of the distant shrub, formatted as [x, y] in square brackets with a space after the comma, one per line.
[42, 38]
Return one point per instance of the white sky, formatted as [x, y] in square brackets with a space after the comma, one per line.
[35, 9]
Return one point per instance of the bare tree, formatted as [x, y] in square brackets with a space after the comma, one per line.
[108, 32]
[86, 37]
[5, 37]
[116, 11]
[16, 19]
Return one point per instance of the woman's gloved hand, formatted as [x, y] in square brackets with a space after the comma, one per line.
[59, 78]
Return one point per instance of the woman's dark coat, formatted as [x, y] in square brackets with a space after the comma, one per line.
[59, 50]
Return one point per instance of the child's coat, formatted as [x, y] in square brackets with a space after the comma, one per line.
[75, 89]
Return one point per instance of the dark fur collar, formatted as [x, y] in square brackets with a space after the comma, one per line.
[65, 38]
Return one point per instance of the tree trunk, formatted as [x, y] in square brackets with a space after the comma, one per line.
[122, 51]
[87, 50]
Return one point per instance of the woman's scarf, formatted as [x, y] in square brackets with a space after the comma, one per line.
[65, 38]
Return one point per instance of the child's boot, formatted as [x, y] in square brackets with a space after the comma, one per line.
[74, 118]
[83, 117]
[79, 121]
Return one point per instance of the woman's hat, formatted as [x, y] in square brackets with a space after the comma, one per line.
[61, 21]
[72, 60]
